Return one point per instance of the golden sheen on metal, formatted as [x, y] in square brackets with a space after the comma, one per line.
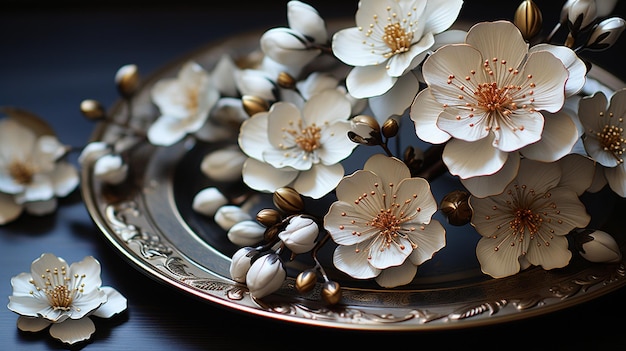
[254, 104]
[305, 281]
[92, 109]
[331, 292]
[528, 19]
[456, 208]
[288, 200]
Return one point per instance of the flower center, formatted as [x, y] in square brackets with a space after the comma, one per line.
[397, 34]
[498, 98]
[192, 101]
[21, 172]
[611, 138]
[397, 39]
[307, 138]
[60, 289]
[527, 213]
[387, 223]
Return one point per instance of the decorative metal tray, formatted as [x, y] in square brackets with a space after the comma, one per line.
[149, 220]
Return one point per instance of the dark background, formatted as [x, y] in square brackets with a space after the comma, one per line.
[54, 54]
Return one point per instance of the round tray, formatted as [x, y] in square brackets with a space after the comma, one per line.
[149, 220]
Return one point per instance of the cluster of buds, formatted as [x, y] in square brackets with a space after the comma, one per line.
[109, 160]
[588, 23]
[278, 232]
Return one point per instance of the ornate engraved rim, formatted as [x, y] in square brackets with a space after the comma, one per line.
[142, 221]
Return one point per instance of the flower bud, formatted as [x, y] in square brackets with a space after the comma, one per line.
[528, 19]
[365, 130]
[455, 207]
[254, 104]
[598, 246]
[127, 80]
[110, 169]
[300, 234]
[288, 200]
[208, 201]
[229, 215]
[305, 19]
[223, 164]
[331, 292]
[240, 263]
[305, 281]
[580, 14]
[605, 34]
[268, 217]
[288, 47]
[93, 151]
[92, 109]
[390, 127]
[266, 275]
[246, 233]
[286, 80]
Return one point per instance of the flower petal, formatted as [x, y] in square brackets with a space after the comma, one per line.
[263, 177]
[500, 39]
[575, 66]
[348, 46]
[397, 276]
[88, 270]
[116, 303]
[9, 209]
[353, 263]
[64, 178]
[72, 331]
[305, 19]
[615, 177]
[367, 81]
[487, 185]
[473, 159]
[166, 131]
[253, 135]
[430, 239]
[424, 113]
[552, 253]
[557, 140]
[501, 262]
[577, 172]
[319, 180]
[395, 101]
[327, 106]
[41, 208]
[549, 76]
[342, 227]
[30, 324]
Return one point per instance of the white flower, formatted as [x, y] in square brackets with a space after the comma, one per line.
[604, 137]
[390, 39]
[529, 221]
[32, 170]
[300, 234]
[266, 275]
[184, 103]
[298, 148]
[383, 223]
[62, 297]
[490, 99]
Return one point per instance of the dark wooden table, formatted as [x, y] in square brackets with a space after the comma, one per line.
[51, 58]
